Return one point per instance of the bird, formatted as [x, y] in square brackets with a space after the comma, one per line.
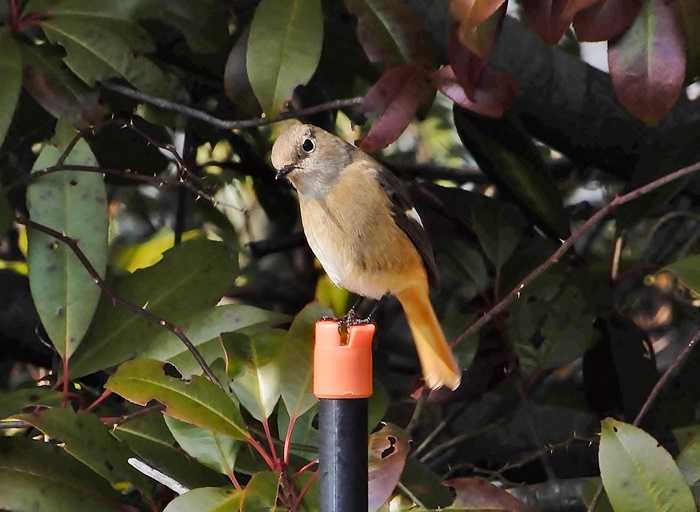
[361, 225]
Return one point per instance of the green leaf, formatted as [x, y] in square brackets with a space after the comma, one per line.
[506, 153]
[11, 84]
[687, 271]
[56, 89]
[391, 33]
[101, 41]
[215, 451]
[260, 494]
[499, 228]
[74, 203]
[118, 334]
[207, 499]
[204, 330]
[89, 441]
[257, 384]
[149, 437]
[388, 449]
[689, 459]
[199, 401]
[296, 361]
[13, 402]
[284, 48]
[638, 473]
[40, 477]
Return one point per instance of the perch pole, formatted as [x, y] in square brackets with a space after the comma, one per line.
[343, 383]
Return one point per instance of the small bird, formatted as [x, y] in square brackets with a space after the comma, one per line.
[363, 228]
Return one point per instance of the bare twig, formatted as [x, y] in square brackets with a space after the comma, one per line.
[569, 242]
[226, 124]
[465, 436]
[677, 363]
[72, 243]
[417, 410]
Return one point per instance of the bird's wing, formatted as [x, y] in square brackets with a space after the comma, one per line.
[407, 218]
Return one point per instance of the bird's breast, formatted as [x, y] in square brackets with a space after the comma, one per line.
[352, 233]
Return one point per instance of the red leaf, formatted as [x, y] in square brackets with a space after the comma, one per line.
[466, 66]
[492, 97]
[647, 64]
[550, 18]
[388, 449]
[476, 493]
[606, 19]
[397, 95]
[473, 12]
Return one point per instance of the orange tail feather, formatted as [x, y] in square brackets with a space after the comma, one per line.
[437, 361]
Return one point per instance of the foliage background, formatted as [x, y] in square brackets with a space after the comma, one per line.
[138, 211]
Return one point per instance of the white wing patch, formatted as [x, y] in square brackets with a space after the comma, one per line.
[413, 214]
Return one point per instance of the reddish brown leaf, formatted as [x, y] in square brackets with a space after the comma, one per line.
[388, 449]
[606, 19]
[473, 12]
[467, 66]
[478, 494]
[550, 18]
[390, 32]
[647, 64]
[492, 97]
[480, 39]
[396, 96]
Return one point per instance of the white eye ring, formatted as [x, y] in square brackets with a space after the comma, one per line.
[308, 146]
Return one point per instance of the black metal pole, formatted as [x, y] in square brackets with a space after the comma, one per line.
[343, 454]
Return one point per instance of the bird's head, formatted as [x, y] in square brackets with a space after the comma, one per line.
[311, 158]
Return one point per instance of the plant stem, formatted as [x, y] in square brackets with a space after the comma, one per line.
[288, 439]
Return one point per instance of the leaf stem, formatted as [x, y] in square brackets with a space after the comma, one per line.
[288, 438]
[271, 443]
[258, 448]
[105, 394]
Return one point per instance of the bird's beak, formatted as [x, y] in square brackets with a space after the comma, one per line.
[281, 173]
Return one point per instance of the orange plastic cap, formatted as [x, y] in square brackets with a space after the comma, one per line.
[343, 370]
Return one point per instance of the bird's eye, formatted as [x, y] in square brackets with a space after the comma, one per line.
[308, 146]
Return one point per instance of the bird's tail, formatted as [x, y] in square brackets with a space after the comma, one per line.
[437, 361]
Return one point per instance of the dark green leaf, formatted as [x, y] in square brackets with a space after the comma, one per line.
[689, 459]
[296, 361]
[89, 441]
[41, 477]
[507, 155]
[390, 32]
[423, 486]
[150, 438]
[499, 228]
[56, 89]
[378, 405]
[638, 473]
[199, 401]
[215, 451]
[284, 48]
[102, 41]
[11, 84]
[117, 334]
[74, 203]
[6, 213]
[13, 402]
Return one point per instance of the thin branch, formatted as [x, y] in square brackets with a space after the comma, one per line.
[569, 243]
[465, 436]
[440, 427]
[226, 124]
[72, 243]
[417, 410]
[677, 363]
